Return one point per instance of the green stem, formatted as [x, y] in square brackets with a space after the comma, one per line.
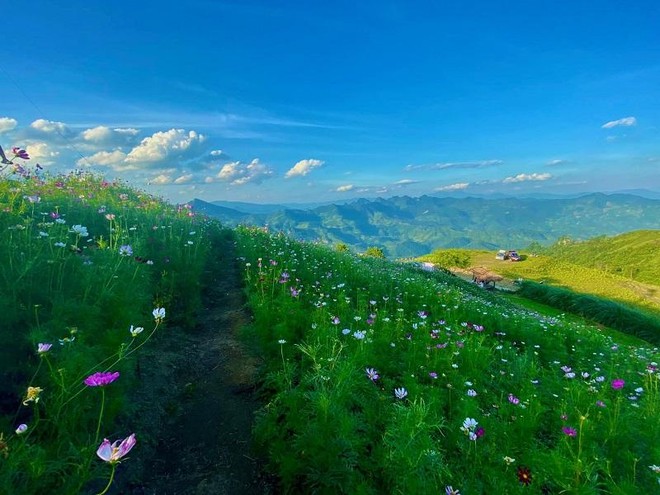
[98, 425]
[112, 477]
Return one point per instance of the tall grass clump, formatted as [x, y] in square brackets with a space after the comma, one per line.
[90, 269]
[380, 378]
[610, 313]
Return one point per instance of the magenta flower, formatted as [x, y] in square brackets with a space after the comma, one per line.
[20, 153]
[113, 453]
[101, 379]
[569, 431]
[618, 383]
[514, 400]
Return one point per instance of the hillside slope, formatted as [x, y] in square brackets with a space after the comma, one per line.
[634, 255]
[405, 226]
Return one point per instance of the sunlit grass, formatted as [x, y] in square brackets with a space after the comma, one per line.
[384, 379]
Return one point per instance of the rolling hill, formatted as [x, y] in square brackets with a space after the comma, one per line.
[405, 226]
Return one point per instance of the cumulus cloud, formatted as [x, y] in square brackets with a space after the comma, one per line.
[163, 145]
[102, 135]
[7, 124]
[345, 188]
[113, 159]
[161, 180]
[455, 165]
[526, 178]
[41, 152]
[50, 127]
[454, 187]
[624, 122]
[303, 167]
[238, 173]
[217, 153]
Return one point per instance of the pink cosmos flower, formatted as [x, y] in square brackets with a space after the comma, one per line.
[618, 383]
[113, 453]
[101, 379]
[514, 400]
[569, 431]
[43, 348]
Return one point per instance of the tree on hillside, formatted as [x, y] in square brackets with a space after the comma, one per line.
[451, 258]
[342, 247]
[374, 252]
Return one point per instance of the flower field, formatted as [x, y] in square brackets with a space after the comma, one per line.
[90, 273]
[378, 377]
[385, 379]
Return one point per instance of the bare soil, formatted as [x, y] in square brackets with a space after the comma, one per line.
[196, 401]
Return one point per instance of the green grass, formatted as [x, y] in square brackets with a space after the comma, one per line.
[544, 388]
[83, 262]
[560, 273]
[634, 255]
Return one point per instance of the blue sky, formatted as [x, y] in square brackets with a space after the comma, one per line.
[314, 101]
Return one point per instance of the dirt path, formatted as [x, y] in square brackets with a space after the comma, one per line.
[197, 392]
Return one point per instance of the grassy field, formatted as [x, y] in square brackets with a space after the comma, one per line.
[634, 255]
[558, 272]
[385, 379]
[378, 377]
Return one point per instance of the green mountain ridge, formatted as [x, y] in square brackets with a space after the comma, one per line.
[412, 226]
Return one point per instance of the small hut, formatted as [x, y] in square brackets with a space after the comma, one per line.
[484, 277]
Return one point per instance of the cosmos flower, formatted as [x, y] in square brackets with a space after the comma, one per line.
[22, 428]
[135, 331]
[113, 453]
[400, 393]
[618, 383]
[159, 314]
[101, 379]
[32, 395]
[524, 475]
[43, 348]
[125, 250]
[79, 230]
[372, 374]
[569, 431]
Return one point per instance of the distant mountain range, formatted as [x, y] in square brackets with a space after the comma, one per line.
[404, 226]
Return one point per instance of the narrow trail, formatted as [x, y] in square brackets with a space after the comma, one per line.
[197, 393]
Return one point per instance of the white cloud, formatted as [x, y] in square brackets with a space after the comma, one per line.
[553, 163]
[41, 152]
[454, 187]
[7, 124]
[161, 180]
[163, 145]
[346, 188]
[50, 127]
[113, 159]
[184, 179]
[303, 167]
[106, 136]
[625, 122]
[238, 174]
[405, 182]
[526, 178]
[217, 153]
[459, 165]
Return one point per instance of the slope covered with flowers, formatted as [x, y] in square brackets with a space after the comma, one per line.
[386, 379]
[90, 271]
